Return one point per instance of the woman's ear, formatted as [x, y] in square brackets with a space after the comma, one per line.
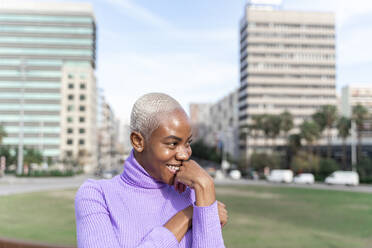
[138, 141]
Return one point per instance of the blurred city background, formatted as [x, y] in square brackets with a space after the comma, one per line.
[279, 94]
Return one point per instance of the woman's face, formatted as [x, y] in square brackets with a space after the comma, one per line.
[168, 146]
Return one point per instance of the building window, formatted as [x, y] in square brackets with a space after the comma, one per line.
[70, 85]
[69, 119]
[82, 97]
[81, 142]
[83, 76]
[70, 97]
[70, 130]
[81, 130]
[82, 86]
[81, 119]
[82, 108]
[69, 153]
[70, 76]
[69, 142]
[70, 107]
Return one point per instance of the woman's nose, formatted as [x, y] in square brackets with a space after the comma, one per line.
[182, 154]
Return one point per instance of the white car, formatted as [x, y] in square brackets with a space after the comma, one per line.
[343, 178]
[280, 176]
[235, 174]
[304, 178]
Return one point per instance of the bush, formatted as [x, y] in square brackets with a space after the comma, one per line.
[203, 151]
[261, 160]
[49, 173]
[326, 167]
[364, 168]
[305, 162]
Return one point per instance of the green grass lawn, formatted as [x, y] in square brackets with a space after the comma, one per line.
[259, 217]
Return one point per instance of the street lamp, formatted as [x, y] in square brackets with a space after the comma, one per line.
[21, 117]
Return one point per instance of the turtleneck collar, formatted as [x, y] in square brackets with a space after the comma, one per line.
[135, 175]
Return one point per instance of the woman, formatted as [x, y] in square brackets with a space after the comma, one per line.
[162, 199]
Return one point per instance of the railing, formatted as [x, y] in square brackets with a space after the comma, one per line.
[12, 243]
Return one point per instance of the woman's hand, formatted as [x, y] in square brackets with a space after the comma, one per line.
[195, 177]
[222, 213]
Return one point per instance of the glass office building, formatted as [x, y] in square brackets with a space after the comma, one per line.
[47, 61]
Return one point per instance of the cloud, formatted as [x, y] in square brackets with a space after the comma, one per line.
[137, 12]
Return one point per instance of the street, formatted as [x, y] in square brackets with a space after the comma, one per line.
[364, 188]
[13, 185]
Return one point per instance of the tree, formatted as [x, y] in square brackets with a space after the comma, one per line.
[359, 115]
[2, 133]
[286, 125]
[273, 124]
[309, 132]
[343, 126]
[326, 118]
[32, 156]
[265, 127]
[256, 127]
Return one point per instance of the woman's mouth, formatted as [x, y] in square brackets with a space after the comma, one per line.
[173, 168]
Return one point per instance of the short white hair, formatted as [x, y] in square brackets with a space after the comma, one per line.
[146, 111]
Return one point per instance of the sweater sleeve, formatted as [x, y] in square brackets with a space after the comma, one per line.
[95, 230]
[206, 227]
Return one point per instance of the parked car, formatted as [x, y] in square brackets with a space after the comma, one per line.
[280, 176]
[235, 174]
[343, 178]
[304, 178]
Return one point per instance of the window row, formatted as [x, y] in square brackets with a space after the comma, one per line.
[71, 97]
[72, 86]
[71, 130]
[290, 25]
[285, 45]
[71, 142]
[288, 66]
[291, 35]
[70, 119]
[314, 56]
[71, 108]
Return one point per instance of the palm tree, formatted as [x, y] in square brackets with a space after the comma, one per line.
[256, 127]
[326, 118]
[310, 132]
[273, 122]
[359, 115]
[343, 126]
[265, 127]
[2, 133]
[286, 125]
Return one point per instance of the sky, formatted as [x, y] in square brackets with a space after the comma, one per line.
[190, 48]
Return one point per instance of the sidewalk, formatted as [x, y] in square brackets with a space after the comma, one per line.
[16, 185]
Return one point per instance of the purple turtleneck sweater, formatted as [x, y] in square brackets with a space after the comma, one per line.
[130, 211]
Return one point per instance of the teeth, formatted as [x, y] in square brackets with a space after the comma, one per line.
[173, 168]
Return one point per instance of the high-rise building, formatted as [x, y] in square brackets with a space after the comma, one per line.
[200, 120]
[353, 95]
[287, 62]
[362, 95]
[224, 124]
[47, 81]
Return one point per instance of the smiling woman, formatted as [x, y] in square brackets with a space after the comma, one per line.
[162, 198]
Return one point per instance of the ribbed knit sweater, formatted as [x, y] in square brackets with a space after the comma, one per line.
[130, 211]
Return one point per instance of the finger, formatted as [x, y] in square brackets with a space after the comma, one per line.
[221, 203]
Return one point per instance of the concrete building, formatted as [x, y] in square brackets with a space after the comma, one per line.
[200, 119]
[47, 63]
[287, 62]
[111, 151]
[224, 124]
[353, 95]
[217, 124]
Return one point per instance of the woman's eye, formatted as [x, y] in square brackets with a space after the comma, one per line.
[174, 144]
[188, 143]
